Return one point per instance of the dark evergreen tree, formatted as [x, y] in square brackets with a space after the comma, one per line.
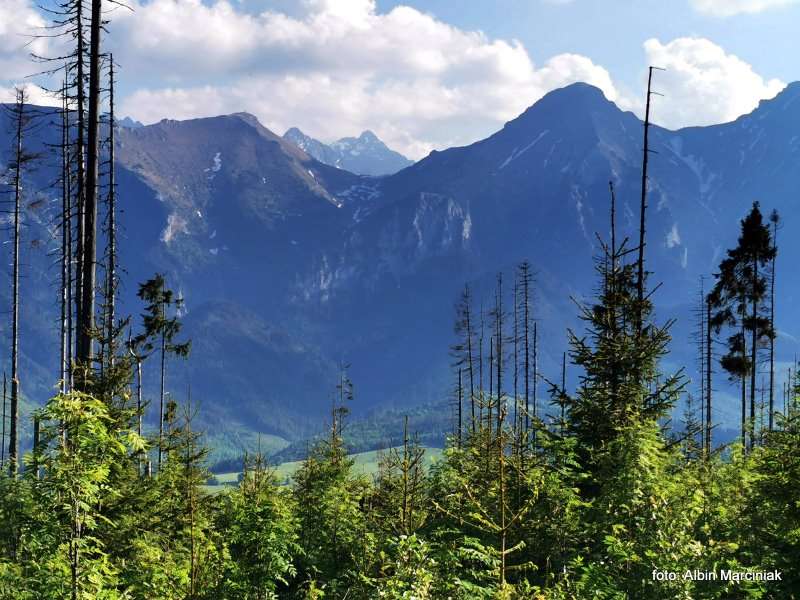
[399, 504]
[161, 324]
[738, 299]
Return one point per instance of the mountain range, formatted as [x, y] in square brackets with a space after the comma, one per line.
[290, 266]
[364, 155]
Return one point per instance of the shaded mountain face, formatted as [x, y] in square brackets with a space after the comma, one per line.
[365, 155]
[290, 266]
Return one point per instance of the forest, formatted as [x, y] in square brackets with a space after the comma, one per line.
[614, 489]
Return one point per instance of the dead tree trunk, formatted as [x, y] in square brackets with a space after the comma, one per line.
[89, 253]
[111, 268]
[13, 444]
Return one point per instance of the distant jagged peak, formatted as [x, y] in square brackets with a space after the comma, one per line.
[294, 132]
[366, 154]
[129, 123]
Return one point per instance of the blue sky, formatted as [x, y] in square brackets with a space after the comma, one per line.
[612, 31]
[427, 74]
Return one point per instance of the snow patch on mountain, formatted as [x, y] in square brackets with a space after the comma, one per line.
[577, 198]
[215, 166]
[515, 155]
[698, 166]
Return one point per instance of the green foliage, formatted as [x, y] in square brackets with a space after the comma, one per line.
[331, 524]
[157, 323]
[773, 507]
[408, 570]
[261, 533]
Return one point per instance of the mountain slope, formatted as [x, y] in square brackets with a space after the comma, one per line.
[290, 267]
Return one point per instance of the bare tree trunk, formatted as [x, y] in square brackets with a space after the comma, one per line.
[503, 524]
[499, 341]
[3, 443]
[772, 326]
[405, 521]
[111, 271]
[744, 389]
[80, 180]
[643, 207]
[517, 411]
[89, 254]
[471, 360]
[460, 408]
[161, 397]
[526, 349]
[563, 390]
[535, 374]
[13, 445]
[480, 366]
[753, 355]
[64, 237]
[491, 384]
[139, 415]
[709, 357]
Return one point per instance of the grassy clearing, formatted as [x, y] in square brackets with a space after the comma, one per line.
[363, 462]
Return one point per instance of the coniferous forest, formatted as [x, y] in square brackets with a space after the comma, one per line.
[604, 490]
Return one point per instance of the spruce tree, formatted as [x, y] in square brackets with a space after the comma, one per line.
[738, 299]
[161, 324]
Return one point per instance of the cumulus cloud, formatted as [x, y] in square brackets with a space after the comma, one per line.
[19, 24]
[337, 68]
[703, 84]
[33, 94]
[728, 8]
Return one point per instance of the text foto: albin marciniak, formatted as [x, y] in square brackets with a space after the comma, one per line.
[721, 575]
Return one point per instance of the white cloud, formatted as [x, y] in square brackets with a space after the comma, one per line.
[34, 94]
[336, 69]
[728, 8]
[19, 24]
[703, 84]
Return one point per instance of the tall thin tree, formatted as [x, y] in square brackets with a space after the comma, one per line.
[640, 279]
[21, 118]
[161, 325]
[708, 375]
[110, 291]
[499, 339]
[89, 253]
[775, 220]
